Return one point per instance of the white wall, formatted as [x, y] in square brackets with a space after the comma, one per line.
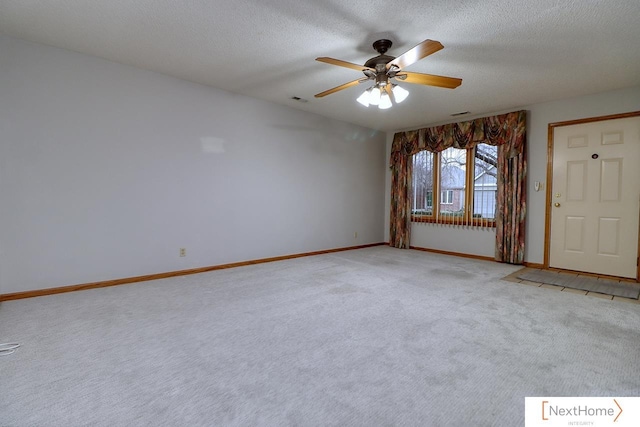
[107, 170]
[480, 242]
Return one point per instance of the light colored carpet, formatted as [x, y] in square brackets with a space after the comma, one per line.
[370, 337]
[585, 283]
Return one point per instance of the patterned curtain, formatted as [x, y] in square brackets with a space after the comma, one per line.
[512, 194]
[507, 131]
[401, 170]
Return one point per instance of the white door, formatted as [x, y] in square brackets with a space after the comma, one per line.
[595, 197]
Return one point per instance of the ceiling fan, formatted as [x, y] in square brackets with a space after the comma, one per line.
[383, 68]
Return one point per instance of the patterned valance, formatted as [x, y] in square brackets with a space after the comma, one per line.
[493, 130]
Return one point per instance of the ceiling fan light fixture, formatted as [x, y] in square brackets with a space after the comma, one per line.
[399, 93]
[364, 99]
[385, 101]
[374, 98]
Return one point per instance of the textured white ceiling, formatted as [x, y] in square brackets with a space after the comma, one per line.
[508, 53]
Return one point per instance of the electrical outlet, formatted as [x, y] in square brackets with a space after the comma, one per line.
[355, 235]
[183, 251]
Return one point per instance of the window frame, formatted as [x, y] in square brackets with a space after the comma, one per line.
[469, 190]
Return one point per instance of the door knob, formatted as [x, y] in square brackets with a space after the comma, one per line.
[556, 204]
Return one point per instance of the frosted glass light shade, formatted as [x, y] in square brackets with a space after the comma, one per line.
[365, 97]
[374, 99]
[385, 101]
[399, 94]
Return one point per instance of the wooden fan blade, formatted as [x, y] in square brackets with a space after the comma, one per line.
[338, 88]
[430, 80]
[341, 63]
[420, 51]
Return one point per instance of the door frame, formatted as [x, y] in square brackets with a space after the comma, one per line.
[548, 201]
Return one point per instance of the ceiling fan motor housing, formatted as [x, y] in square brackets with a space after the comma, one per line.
[379, 60]
[379, 63]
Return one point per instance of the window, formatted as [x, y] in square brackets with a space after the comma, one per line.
[447, 197]
[485, 182]
[452, 179]
[422, 183]
[465, 182]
